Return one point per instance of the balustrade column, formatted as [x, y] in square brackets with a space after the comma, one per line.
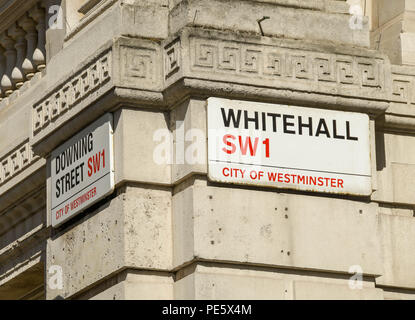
[39, 55]
[2, 69]
[18, 36]
[29, 26]
[6, 83]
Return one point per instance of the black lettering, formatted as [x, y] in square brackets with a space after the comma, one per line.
[68, 156]
[274, 117]
[349, 137]
[57, 164]
[77, 176]
[335, 135]
[58, 189]
[231, 116]
[321, 124]
[90, 142]
[62, 161]
[76, 151]
[308, 125]
[82, 171]
[287, 124]
[73, 178]
[61, 184]
[254, 119]
[67, 182]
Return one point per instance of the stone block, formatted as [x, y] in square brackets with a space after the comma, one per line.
[223, 281]
[136, 142]
[390, 10]
[307, 290]
[188, 122]
[131, 230]
[147, 228]
[284, 21]
[404, 183]
[397, 251]
[408, 48]
[132, 285]
[396, 168]
[268, 228]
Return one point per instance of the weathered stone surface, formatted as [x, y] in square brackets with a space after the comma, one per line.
[136, 143]
[264, 227]
[217, 281]
[396, 165]
[132, 229]
[167, 232]
[244, 58]
[284, 21]
[220, 282]
[393, 26]
[130, 285]
[188, 123]
[397, 244]
[324, 291]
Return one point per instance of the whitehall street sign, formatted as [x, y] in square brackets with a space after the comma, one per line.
[82, 170]
[288, 147]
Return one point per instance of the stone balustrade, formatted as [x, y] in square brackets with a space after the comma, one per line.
[22, 50]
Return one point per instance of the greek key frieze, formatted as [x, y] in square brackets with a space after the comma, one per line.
[172, 58]
[272, 62]
[403, 88]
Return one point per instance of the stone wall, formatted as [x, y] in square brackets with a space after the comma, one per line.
[167, 232]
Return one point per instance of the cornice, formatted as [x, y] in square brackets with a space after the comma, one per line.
[12, 10]
[197, 62]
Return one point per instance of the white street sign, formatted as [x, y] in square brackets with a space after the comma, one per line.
[288, 147]
[82, 170]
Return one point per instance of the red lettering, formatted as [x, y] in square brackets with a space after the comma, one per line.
[272, 176]
[103, 158]
[223, 172]
[266, 143]
[252, 149]
[89, 167]
[97, 162]
[229, 144]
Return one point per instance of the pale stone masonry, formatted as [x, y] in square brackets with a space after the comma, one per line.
[167, 231]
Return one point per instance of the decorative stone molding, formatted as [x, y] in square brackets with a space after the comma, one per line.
[16, 161]
[71, 92]
[11, 9]
[24, 208]
[172, 57]
[293, 65]
[137, 71]
[139, 66]
[400, 116]
[123, 67]
[275, 64]
[403, 84]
